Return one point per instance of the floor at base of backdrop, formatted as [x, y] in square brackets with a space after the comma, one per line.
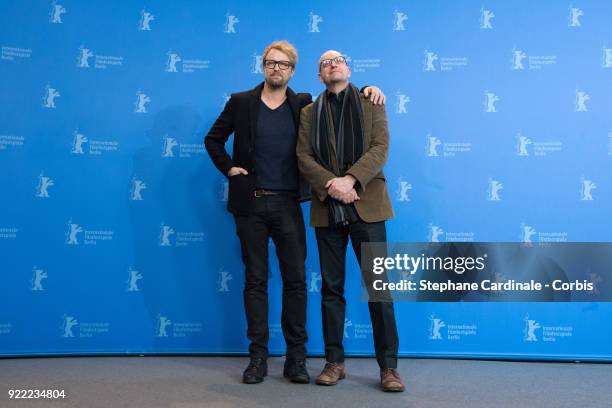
[194, 381]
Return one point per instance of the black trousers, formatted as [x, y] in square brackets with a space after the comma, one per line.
[281, 218]
[332, 244]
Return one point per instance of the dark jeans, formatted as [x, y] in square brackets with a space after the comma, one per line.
[332, 244]
[279, 217]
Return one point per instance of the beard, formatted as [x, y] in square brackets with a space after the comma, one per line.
[276, 82]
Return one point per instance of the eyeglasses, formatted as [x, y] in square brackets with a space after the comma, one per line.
[270, 64]
[339, 60]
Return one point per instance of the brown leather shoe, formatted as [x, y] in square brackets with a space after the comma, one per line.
[331, 374]
[390, 380]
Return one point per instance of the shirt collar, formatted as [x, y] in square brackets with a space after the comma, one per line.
[339, 96]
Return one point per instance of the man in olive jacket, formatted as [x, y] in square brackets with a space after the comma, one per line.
[342, 147]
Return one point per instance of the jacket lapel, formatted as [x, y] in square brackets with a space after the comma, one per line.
[254, 99]
[294, 104]
[367, 122]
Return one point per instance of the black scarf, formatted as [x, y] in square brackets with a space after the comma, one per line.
[351, 126]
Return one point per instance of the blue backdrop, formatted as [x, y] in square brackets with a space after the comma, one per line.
[114, 236]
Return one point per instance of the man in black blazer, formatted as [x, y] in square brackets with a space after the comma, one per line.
[265, 190]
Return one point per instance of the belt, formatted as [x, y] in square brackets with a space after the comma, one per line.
[260, 192]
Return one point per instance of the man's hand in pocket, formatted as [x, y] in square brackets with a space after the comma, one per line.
[234, 171]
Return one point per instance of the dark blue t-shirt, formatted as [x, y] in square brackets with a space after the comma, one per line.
[275, 140]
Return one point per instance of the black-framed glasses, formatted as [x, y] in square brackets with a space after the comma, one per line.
[339, 60]
[270, 64]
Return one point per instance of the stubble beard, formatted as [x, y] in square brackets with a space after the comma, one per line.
[276, 83]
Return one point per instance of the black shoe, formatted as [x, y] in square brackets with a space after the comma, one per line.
[256, 371]
[295, 371]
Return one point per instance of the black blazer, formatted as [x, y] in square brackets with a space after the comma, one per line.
[240, 117]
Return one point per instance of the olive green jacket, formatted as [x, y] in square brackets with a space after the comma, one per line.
[374, 204]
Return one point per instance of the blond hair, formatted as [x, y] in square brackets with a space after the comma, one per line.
[285, 47]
